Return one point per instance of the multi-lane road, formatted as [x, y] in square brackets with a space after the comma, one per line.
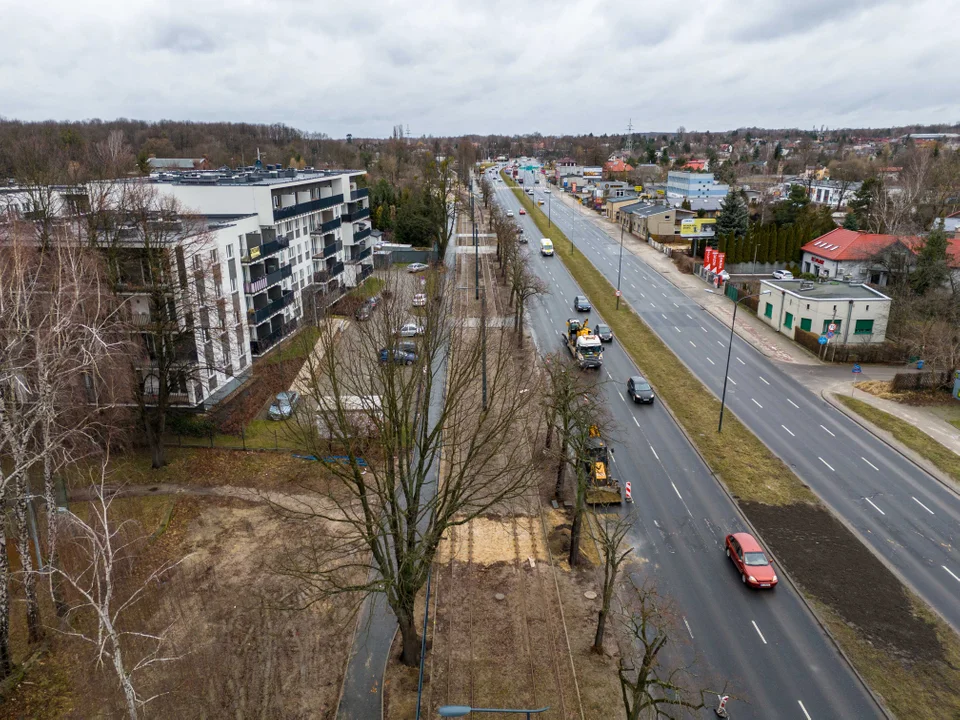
[908, 517]
[765, 644]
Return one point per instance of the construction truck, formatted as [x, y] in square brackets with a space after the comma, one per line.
[585, 347]
[602, 489]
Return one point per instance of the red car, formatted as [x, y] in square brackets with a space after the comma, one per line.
[755, 568]
[522, 211]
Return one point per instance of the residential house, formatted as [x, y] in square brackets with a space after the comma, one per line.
[951, 224]
[856, 312]
[833, 193]
[650, 221]
[697, 165]
[616, 168]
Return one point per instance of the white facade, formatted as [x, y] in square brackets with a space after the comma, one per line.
[859, 312]
[690, 185]
[830, 192]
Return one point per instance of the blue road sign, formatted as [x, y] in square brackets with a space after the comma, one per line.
[830, 334]
[822, 340]
[857, 370]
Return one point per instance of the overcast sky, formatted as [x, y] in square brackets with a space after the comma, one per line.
[448, 67]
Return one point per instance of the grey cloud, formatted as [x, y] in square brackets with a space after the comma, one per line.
[765, 20]
[183, 38]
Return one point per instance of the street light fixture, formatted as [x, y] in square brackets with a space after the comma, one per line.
[450, 711]
[726, 373]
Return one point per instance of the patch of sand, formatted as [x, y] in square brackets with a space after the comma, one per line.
[486, 541]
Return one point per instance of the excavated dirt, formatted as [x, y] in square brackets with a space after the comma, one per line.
[833, 565]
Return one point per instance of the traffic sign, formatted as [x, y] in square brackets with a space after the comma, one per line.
[857, 370]
[830, 334]
[822, 340]
[618, 293]
[832, 327]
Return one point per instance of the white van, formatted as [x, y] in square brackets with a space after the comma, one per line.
[546, 246]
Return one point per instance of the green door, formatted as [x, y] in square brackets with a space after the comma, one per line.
[788, 321]
[806, 324]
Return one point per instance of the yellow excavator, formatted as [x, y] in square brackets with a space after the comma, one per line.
[602, 489]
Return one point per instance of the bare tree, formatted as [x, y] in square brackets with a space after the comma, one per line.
[438, 457]
[649, 688]
[610, 532]
[486, 190]
[99, 617]
[442, 189]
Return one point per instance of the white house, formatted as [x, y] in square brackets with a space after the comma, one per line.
[856, 312]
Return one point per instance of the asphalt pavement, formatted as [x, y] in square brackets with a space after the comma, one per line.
[909, 518]
[766, 645]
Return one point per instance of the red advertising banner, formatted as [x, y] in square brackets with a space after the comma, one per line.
[708, 258]
[721, 261]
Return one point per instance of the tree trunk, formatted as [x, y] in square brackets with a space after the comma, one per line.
[520, 318]
[410, 638]
[53, 552]
[158, 454]
[575, 537]
[129, 693]
[601, 626]
[4, 607]
[34, 629]
[561, 467]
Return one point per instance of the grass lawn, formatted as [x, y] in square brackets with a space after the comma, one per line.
[297, 347]
[917, 440]
[955, 423]
[746, 465]
[370, 287]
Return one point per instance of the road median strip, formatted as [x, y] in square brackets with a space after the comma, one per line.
[917, 683]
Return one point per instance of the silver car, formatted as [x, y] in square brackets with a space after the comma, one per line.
[284, 406]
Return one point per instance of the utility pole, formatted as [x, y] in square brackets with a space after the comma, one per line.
[476, 246]
[620, 263]
[483, 345]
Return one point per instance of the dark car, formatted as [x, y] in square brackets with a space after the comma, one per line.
[397, 356]
[639, 390]
[603, 332]
[755, 568]
[581, 303]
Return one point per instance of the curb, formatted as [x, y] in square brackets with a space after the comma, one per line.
[881, 435]
[877, 700]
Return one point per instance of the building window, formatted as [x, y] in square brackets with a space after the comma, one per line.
[214, 256]
[768, 310]
[826, 325]
[229, 250]
[806, 324]
[788, 321]
[863, 327]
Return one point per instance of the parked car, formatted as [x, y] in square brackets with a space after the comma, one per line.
[522, 211]
[509, 213]
[603, 332]
[397, 356]
[420, 300]
[363, 312]
[581, 303]
[522, 238]
[783, 275]
[284, 405]
[547, 190]
[755, 568]
[409, 329]
[639, 390]
[416, 267]
[407, 346]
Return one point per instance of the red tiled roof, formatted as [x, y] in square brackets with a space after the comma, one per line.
[842, 244]
[617, 166]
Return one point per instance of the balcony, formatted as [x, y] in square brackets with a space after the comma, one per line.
[359, 235]
[365, 272]
[330, 225]
[332, 249]
[174, 398]
[306, 207]
[359, 193]
[336, 270]
[364, 254]
[140, 319]
[261, 284]
[255, 317]
[358, 214]
[261, 252]
[262, 345]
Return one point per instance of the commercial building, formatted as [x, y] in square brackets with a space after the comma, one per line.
[614, 205]
[856, 312]
[655, 222]
[688, 185]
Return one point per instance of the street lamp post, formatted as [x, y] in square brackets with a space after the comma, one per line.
[620, 263]
[726, 373]
[450, 711]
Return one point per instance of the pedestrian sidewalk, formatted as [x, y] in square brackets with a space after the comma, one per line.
[750, 328]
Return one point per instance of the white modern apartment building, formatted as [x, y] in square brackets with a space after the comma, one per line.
[689, 186]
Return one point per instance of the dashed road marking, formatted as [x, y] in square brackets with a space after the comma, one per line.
[825, 428]
[793, 403]
[743, 363]
[755, 627]
[825, 463]
[788, 430]
[763, 379]
[711, 361]
[873, 503]
[756, 403]
[805, 713]
[922, 505]
[635, 420]
[870, 463]
[951, 573]
[692, 343]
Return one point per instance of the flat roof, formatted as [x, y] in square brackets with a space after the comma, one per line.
[245, 176]
[832, 290]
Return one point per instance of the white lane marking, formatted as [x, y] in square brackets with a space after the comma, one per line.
[757, 404]
[952, 575]
[793, 403]
[703, 328]
[688, 628]
[613, 456]
[675, 490]
[676, 328]
[758, 631]
[663, 316]
[922, 505]
[690, 317]
[805, 713]
[643, 296]
[692, 343]
[762, 378]
[720, 343]
[824, 427]
[788, 430]
[655, 455]
[825, 463]
[675, 305]
[633, 286]
[635, 420]
[711, 361]
[621, 396]
[874, 506]
[743, 363]
[871, 465]
[731, 380]
[652, 305]
[663, 293]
